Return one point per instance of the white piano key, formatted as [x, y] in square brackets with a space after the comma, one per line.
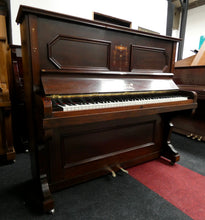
[109, 104]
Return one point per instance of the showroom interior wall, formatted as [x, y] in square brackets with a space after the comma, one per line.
[194, 29]
[148, 14]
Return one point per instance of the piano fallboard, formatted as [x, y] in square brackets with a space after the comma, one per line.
[73, 83]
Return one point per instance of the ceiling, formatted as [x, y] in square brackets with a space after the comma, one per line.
[192, 3]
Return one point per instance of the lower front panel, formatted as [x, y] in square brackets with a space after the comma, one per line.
[79, 153]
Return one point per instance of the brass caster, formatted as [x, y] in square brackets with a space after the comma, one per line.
[52, 211]
[194, 137]
[199, 138]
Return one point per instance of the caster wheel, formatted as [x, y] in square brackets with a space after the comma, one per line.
[172, 163]
[52, 211]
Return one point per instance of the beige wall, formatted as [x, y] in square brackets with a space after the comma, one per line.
[148, 14]
[194, 29]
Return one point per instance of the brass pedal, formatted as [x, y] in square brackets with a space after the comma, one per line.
[112, 172]
[189, 135]
[122, 169]
[194, 137]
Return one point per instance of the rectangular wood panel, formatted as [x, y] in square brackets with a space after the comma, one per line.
[67, 52]
[148, 58]
[94, 144]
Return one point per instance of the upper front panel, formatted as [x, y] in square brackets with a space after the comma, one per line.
[78, 46]
[55, 41]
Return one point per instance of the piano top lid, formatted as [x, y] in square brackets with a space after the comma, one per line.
[56, 82]
[23, 10]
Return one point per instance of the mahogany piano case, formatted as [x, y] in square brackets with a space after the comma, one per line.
[99, 98]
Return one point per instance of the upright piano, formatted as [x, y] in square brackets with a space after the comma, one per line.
[189, 74]
[99, 98]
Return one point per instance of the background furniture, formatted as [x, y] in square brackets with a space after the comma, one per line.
[6, 138]
[189, 74]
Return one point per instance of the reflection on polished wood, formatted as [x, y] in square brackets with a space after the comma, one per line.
[72, 61]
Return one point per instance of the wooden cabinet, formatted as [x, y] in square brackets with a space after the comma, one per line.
[6, 140]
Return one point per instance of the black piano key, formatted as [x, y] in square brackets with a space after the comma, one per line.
[67, 101]
[60, 101]
[54, 103]
[55, 106]
[98, 99]
[91, 100]
[76, 101]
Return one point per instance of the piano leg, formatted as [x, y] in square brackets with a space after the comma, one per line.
[10, 154]
[168, 150]
[47, 200]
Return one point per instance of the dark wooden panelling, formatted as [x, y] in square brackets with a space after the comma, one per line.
[91, 54]
[81, 83]
[94, 144]
[148, 59]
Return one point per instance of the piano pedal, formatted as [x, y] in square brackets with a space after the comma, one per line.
[189, 135]
[194, 137]
[112, 172]
[122, 169]
[199, 138]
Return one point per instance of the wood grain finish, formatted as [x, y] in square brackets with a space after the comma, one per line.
[92, 54]
[90, 82]
[148, 59]
[65, 55]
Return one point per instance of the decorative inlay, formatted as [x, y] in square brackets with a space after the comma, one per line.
[120, 57]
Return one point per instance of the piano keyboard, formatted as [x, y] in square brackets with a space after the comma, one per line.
[109, 102]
